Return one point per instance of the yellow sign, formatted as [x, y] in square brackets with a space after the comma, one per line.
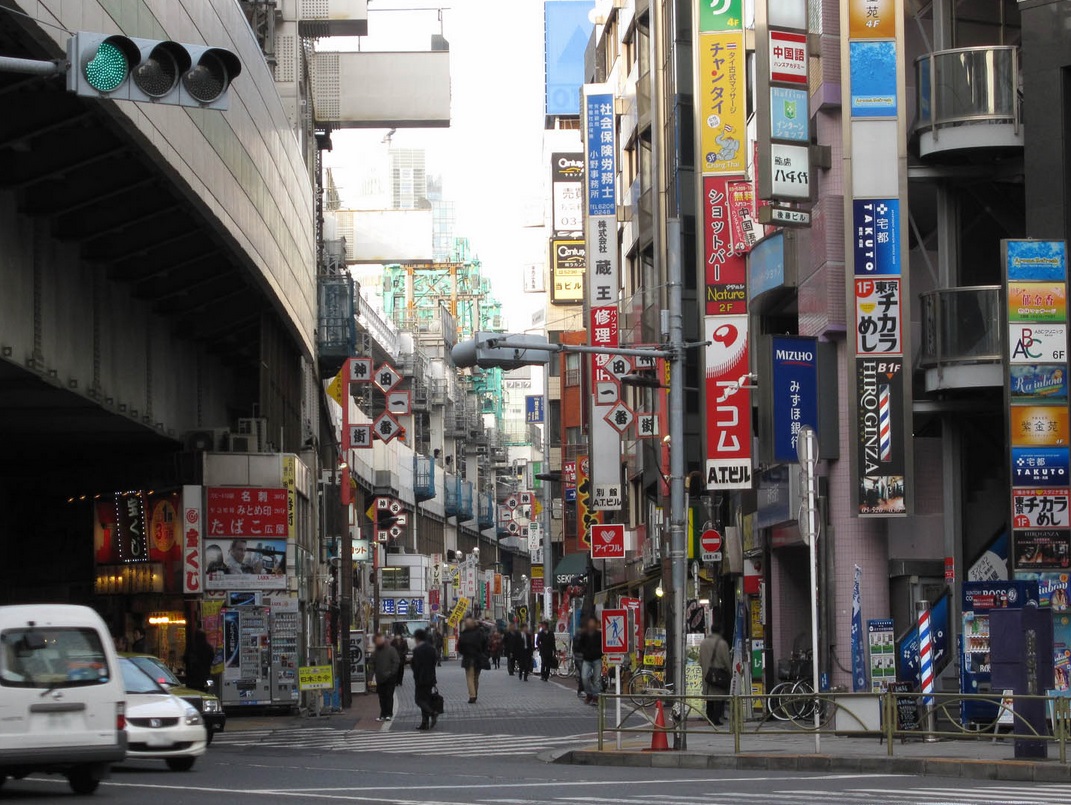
[872, 19]
[316, 677]
[458, 612]
[334, 388]
[537, 571]
[290, 482]
[722, 102]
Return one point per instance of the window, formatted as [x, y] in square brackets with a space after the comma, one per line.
[572, 369]
[52, 658]
[394, 578]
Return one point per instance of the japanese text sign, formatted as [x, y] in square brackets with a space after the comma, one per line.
[244, 512]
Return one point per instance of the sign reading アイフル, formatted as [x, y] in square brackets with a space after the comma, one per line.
[608, 541]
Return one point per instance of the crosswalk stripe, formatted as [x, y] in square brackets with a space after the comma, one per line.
[447, 744]
[1005, 795]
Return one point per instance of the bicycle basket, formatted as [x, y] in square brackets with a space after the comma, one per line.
[801, 669]
[784, 670]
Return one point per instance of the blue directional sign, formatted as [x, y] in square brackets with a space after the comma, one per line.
[533, 408]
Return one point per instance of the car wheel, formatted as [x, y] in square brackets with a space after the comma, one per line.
[83, 781]
[180, 763]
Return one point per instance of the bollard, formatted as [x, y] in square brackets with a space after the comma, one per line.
[601, 720]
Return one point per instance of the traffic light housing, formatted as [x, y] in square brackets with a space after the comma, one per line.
[150, 70]
[512, 351]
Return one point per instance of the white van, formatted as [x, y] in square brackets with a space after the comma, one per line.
[62, 703]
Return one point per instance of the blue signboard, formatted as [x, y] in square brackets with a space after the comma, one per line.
[417, 606]
[876, 234]
[386, 606]
[789, 119]
[1032, 382]
[570, 494]
[873, 74]
[907, 647]
[795, 392]
[766, 265]
[533, 408]
[1040, 466]
[403, 607]
[567, 32]
[1037, 260]
[600, 167]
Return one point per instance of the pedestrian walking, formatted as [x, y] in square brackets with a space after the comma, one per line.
[495, 644]
[716, 662]
[472, 646]
[509, 645]
[199, 661]
[548, 651]
[385, 663]
[525, 650]
[437, 639]
[591, 652]
[424, 681]
[578, 663]
[402, 647]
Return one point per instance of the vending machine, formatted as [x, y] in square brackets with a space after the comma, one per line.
[247, 658]
[284, 651]
[979, 599]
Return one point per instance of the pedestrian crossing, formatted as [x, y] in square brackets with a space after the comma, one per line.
[895, 794]
[400, 741]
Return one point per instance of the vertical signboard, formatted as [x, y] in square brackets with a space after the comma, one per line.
[191, 540]
[1035, 367]
[876, 280]
[567, 193]
[568, 262]
[726, 199]
[603, 283]
[795, 392]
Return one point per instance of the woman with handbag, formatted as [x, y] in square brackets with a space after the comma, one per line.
[472, 646]
[716, 662]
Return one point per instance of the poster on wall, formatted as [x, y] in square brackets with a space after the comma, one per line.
[240, 564]
[880, 438]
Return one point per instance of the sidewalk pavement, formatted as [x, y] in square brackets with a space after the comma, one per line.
[773, 750]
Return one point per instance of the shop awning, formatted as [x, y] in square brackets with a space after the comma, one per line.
[571, 565]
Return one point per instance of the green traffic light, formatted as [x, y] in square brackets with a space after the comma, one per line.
[108, 68]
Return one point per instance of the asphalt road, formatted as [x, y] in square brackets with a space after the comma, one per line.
[482, 754]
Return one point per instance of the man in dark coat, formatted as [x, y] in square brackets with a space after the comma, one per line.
[472, 646]
[423, 663]
[548, 650]
[509, 645]
[525, 648]
[199, 661]
[385, 662]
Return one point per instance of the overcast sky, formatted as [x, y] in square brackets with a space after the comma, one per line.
[491, 156]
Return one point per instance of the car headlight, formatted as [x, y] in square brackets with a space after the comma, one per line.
[210, 705]
[193, 718]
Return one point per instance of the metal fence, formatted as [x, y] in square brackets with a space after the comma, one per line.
[889, 717]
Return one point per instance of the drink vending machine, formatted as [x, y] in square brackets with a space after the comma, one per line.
[260, 655]
[979, 599]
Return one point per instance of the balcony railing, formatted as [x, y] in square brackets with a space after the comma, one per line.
[423, 478]
[960, 326]
[485, 517]
[336, 330]
[465, 509]
[452, 503]
[969, 86]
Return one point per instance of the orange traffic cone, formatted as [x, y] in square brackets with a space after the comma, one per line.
[658, 737]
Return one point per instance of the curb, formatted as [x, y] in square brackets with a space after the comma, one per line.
[1011, 770]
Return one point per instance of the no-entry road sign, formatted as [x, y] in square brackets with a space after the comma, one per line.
[710, 544]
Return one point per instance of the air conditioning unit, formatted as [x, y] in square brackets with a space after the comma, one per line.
[256, 428]
[243, 443]
[481, 451]
[207, 440]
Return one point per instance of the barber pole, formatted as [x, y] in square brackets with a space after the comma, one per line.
[926, 657]
[885, 422]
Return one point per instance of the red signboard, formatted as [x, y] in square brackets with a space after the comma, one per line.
[728, 403]
[608, 541]
[537, 587]
[191, 539]
[726, 265]
[244, 512]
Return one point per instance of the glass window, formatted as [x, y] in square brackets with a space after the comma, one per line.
[137, 681]
[157, 670]
[572, 369]
[394, 578]
[52, 658]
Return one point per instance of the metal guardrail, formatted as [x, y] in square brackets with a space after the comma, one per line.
[840, 714]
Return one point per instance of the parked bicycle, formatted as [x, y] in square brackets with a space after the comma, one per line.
[566, 666]
[792, 698]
